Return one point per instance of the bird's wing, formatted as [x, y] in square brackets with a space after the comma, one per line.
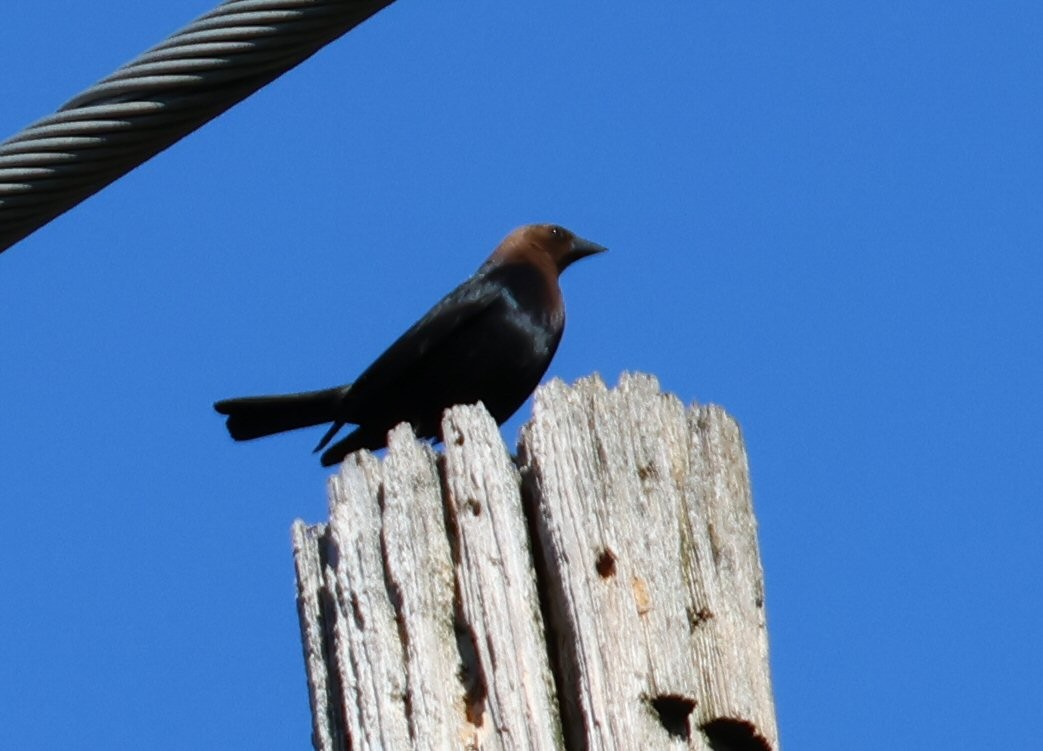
[449, 315]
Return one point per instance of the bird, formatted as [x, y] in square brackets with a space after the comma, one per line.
[490, 340]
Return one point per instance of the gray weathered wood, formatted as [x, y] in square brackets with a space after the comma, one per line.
[413, 651]
[423, 602]
[647, 534]
[499, 601]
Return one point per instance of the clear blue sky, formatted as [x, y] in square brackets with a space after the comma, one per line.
[827, 217]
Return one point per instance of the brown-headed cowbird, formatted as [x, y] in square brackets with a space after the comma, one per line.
[490, 340]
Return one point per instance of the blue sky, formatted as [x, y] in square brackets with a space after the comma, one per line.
[825, 217]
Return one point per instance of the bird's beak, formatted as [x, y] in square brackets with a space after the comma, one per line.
[581, 249]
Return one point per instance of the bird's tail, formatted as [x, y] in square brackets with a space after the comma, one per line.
[256, 416]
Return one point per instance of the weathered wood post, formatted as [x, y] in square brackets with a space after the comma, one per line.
[605, 593]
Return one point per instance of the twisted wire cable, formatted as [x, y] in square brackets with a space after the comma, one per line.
[155, 100]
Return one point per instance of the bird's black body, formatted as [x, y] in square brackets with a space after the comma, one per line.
[491, 340]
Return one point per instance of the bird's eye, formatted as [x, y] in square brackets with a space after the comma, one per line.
[558, 233]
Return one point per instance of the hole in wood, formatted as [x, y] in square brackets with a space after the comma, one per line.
[335, 689]
[730, 734]
[673, 711]
[606, 564]
[474, 506]
[470, 675]
[698, 617]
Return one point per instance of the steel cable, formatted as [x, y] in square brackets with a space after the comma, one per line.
[155, 100]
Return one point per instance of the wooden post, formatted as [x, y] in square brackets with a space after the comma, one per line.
[604, 593]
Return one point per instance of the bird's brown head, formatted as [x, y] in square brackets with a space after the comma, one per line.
[548, 246]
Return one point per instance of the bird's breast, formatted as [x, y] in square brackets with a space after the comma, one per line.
[529, 292]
